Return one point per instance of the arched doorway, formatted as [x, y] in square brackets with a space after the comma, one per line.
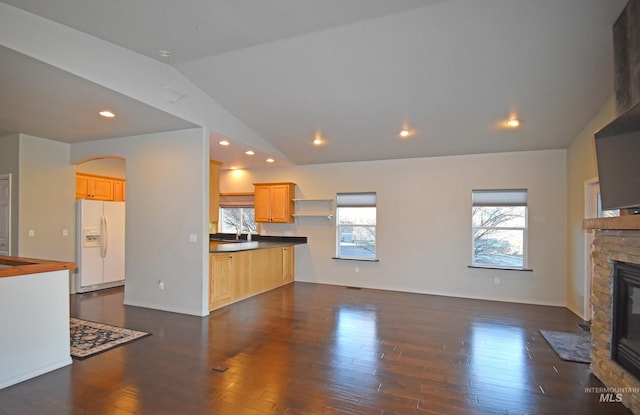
[100, 223]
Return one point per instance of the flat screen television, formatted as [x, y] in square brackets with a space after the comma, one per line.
[618, 158]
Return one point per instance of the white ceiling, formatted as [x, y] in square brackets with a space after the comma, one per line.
[44, 101]
[354, 72]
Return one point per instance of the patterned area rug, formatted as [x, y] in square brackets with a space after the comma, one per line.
[89, 338]
[574, 347]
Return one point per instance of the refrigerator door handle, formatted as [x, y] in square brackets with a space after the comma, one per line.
[105, 236]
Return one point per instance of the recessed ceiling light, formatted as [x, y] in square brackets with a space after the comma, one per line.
[107, 114]
[514, 122]
[249, 152]
[164, 53]
[223, 142]
[233, 168]
[405, 133]
[270, 160]
[317, 141]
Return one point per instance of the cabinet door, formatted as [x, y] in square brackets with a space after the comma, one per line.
[274, 265]
[100, 189]
[288, 263]
[220, 280]
[82, 187]
[119, 190]
[242, 274]
[280, 201]
[262, 203]
[214, 190]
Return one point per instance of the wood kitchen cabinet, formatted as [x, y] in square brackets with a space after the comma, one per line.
[288, 263]
[239, 275]
[119, 190]
[220, 279]
[274, 202]
[214, 193]
[242, 274]
[266, 268]
[94, 187]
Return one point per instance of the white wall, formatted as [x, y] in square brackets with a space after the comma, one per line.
[34, 323]
[424, 223]
[581, 166]
[103, 167]
[167, 200]
[46, 198]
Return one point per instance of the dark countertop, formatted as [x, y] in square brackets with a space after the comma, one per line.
[224, 243]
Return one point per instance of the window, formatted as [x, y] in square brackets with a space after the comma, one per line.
[499, 221]
[237, 213]
[356, 226]
[606, 213]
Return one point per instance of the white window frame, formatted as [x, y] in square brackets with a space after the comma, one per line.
[235, 201]
[356, 200]
[501, 198]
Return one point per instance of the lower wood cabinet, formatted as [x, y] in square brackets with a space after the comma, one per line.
[220, 279]
[239, 275]
[288, 263]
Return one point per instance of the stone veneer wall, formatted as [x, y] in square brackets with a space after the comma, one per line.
[609, 246]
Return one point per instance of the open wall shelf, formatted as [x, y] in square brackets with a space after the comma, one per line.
[314, 208]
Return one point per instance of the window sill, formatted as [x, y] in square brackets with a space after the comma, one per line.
[356, 259]
[500, 268]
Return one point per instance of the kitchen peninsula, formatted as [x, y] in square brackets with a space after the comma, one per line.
[34, 317]
[239, 269]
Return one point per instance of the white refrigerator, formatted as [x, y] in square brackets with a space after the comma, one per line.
[100, 230]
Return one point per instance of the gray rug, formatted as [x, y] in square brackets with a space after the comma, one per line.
[574, 347]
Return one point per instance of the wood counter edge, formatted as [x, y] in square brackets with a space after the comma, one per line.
[628, 222]
[24, 266]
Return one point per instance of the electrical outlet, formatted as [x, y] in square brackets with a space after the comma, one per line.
[65, 232]
[32, 233]
[161, 285]
[357, 269]
[496, 280]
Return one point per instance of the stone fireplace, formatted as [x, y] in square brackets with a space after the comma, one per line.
[625, 344]
[616, 241]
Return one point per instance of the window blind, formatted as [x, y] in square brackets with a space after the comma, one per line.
[236, 200]
[363, 199]
[507, 197]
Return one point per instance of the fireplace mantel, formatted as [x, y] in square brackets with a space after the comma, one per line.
[628, 222]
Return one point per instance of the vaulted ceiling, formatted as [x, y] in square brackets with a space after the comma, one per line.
[352, 73]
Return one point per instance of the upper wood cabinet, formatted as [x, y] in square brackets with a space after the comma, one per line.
[99, 187]
[119, 190]
[214, 191]
[274, 202]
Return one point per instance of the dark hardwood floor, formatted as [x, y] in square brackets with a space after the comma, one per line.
[316, 349]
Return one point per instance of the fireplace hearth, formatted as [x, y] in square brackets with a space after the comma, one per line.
[625, 347]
